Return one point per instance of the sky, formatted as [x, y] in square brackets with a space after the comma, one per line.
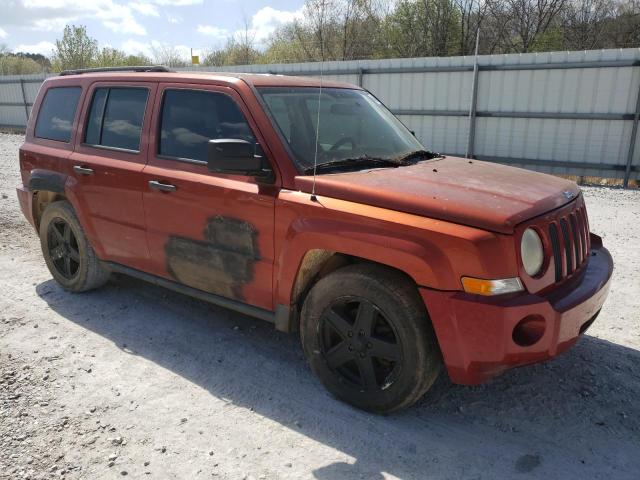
[136, 26]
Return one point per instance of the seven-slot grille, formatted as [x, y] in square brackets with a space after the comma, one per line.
[569, 239]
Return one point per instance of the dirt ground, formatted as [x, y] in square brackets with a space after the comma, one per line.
[133, 380]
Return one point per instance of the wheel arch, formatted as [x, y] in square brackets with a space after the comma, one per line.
[46, 186]
[49, 186]
[41, 199]
[315, 264]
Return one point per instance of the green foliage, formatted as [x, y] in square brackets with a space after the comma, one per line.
[551, 40]
[234, 53]
[361, 29]
[21, 63]
[76, 49]
[11, 64]
[111, 57]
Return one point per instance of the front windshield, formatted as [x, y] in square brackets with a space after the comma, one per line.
[353, 125]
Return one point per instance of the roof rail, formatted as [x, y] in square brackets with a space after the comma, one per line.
[148, 68]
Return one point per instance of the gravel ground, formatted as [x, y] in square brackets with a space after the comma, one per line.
[135, 380]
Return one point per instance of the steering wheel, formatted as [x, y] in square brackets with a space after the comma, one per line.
[343, 141]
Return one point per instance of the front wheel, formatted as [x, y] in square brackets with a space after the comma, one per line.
[367, 335]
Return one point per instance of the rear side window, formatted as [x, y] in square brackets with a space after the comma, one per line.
[190, 118]
[55, 118]
[115, 117]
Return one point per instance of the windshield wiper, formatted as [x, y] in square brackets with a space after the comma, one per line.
[356, 163]
[365, 161]
[410, 157]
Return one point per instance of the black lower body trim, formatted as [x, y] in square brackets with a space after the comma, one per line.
[193, 292]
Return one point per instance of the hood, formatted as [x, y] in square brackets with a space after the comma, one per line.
[479, 194]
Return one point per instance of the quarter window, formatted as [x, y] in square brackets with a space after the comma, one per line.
[58, 109]
[190, 118]
[115, 117]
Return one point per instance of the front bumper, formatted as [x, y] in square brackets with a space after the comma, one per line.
[476, 334]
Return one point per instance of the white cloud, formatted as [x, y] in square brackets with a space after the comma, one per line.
[53, 24]
[48, 15]
[148, 9]
[119, 19]
[44, 48]
[174, 18]
[183, 50]
[133, 47]
[125, 25]
[265, 21]
[178, 3]
[3, 33]
[212, 31]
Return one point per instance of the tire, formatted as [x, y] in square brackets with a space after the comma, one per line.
[367, 336]
[67, 252]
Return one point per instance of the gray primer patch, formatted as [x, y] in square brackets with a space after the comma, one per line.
[221, 263]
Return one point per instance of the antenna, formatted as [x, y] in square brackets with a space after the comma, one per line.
[472, 102]
[315, 156]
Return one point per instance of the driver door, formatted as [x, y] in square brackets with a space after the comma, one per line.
[209, 231]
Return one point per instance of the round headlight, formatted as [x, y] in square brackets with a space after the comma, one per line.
[531, 252]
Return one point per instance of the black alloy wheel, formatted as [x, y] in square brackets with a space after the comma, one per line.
[360, 344]
[366, 333]
[63, 248]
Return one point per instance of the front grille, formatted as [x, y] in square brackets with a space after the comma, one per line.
[569, 239]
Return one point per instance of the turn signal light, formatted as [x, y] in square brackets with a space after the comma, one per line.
[481, 286]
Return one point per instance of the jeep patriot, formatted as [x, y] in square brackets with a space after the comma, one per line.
[306, 203]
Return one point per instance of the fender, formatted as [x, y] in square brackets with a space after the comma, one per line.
[65, 185]
[47, 180]
[416, 257]
[433, 253]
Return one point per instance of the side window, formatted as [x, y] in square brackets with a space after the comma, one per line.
[55, 118]
[115, 117]
[190, 118]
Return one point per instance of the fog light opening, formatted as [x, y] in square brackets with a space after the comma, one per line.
[529, 330]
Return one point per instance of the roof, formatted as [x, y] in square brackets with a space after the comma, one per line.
[253, 79]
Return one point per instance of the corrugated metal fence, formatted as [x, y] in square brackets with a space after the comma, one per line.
[570, 113]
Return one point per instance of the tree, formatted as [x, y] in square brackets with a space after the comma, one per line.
[111, 57]
[241, 47]
[525, 20]
[584, 23]
[14, 64]
[624, 31]
[76, 49]
[472, 15]
[168, 55]
[19, 63]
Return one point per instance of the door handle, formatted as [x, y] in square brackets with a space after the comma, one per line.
[163, 187]
[82, 170]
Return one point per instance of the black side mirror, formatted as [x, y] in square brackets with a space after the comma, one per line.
[235, 156]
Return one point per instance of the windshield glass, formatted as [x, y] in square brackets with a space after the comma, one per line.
[353, 125]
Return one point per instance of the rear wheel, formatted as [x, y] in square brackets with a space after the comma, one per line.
[367, 336]
[66, 250]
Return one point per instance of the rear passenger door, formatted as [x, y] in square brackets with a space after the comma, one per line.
[209, 231]
[111, 151]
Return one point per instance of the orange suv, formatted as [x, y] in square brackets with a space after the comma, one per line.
[309, 205]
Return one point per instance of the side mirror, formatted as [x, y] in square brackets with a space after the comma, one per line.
[235, 156]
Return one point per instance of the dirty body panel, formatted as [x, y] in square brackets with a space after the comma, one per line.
[242, 238]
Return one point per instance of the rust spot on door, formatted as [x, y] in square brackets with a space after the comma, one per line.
[222, 263]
